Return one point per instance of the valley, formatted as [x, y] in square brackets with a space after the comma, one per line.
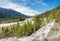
[42, 27]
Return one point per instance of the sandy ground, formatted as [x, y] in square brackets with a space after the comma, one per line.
[38, 35]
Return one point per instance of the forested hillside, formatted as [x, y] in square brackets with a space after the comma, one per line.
[10, 15]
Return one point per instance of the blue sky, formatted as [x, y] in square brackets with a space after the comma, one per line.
[30, 7]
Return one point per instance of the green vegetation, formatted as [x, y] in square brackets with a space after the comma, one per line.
[9, 20]
[19, 31]
[52, 15]
[28, 28]
[37, 22]
[8, 15]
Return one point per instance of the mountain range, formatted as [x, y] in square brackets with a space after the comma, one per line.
[9, 13]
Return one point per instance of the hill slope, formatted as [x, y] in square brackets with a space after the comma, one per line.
[8, 13]
[50, 15]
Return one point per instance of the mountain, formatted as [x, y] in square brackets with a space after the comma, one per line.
[9, 13]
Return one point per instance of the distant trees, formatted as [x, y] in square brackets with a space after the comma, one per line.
[9, 20]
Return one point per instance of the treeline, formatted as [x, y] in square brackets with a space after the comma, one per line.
[9, 20]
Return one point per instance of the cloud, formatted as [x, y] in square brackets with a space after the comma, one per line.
[40, 2]
[22, 8]
[30, 2]
[26, 10]
[44, 4]
[19, 8]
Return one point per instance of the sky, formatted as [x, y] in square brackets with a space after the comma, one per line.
[30, 7]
